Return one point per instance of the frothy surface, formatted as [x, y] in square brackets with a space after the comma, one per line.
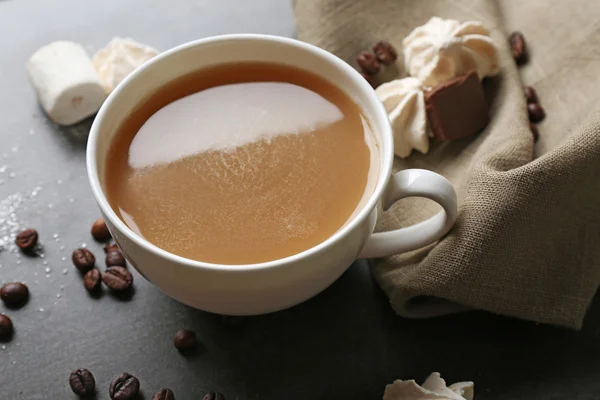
[241, 113]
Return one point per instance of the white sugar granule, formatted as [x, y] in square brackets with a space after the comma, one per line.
[9, 223]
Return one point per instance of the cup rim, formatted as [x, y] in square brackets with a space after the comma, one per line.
[385, 143]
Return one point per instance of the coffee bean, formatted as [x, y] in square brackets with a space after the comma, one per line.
[115, 258]
[164, 394]
[385, 52]
[373, 81]
[214, 396]
[534, 132]
[100, 230]
[518, 47]
[92, 279]
[368, 63]
[184, 340]
[531, 95]
[83, 259]
[536, 112]
[82, 382]
[14, 294]
[27, 239]
[117, 278]
[6, 326]
[108, 247]
[124, 387]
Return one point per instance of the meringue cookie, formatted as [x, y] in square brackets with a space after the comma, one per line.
[119, 58]
[404, 102]
[434, 388]
[445, 48]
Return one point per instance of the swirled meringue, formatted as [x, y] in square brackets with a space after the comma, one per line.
[434, 388]
[404, 102]
[445, 48]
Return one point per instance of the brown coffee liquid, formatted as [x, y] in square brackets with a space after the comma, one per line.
[242, 163]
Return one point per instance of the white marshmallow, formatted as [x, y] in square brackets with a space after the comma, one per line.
[66, 83]
[119, 58]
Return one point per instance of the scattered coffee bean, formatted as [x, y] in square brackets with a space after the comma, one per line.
[115, 258]
[164, 394]
[27, 239]
[14, 294]
[373, 81]
[534, 131]
[518, 47]
[6, 326]
[124, 387]
[531, 95]
[214, 396]
[117, 278]
[100, 230]
[82, 382]
[536, 112]
[184, 340]
[92, 279]
[385, 52]
[108, 247]
[368, 63]
[83, 259]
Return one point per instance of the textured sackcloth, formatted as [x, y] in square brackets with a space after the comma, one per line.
[527, 239]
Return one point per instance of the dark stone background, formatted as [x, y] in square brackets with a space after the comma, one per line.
[344, 344]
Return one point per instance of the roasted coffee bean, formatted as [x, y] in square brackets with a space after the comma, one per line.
[27, 239]
[368, 63]
[117, 278]
[108, 247]
[14, 294]
[373, 81]
[214, 396]
[92, 279]
[83, 259]
[385, 52]
[100, 230]
[518, 47]
[536, 112]
[184, 340]
[82, 382]
[164, 394]
[534, 132]
[531, 95]
[115, 258]
[6, 326]
[124, 387]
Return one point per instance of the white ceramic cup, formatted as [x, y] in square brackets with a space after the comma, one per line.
[275, 285]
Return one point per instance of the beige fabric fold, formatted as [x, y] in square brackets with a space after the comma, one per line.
[527, 240]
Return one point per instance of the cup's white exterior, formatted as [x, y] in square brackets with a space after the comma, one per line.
[271, 286]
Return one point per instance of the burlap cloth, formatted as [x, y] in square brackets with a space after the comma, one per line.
[527, 239]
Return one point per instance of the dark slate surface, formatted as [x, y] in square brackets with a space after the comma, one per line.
[344, 344]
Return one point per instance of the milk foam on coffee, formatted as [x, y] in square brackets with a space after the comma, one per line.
[242, 164]
[241, 113]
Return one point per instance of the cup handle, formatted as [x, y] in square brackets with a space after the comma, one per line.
[414, 183]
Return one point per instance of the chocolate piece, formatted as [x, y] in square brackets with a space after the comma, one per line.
[457, 108]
